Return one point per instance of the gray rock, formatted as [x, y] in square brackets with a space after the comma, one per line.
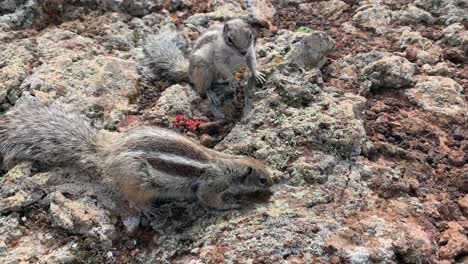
[175, 100]
[10, 228]
[25, 16]
[82, 216]
[309, 50]
[456, 35]
[20, 245]
[375, 17]
[8, 6]
[331, 9]
[440, 96]
[138, 8]
[448, 11]
[360, 256]
[413, 16]
[221, 12]
[19, 189]
[426, 51]
[63, 254]
[440, 69]
[14, 59]
[73, 73]
[390, 72]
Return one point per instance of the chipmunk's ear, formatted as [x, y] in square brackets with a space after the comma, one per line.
[245, 177]
[226, 27]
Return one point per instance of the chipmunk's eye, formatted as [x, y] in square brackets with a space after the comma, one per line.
[263, 181]
[229, 39]
[249, 170]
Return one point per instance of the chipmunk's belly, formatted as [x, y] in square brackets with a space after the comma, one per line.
[236, 61]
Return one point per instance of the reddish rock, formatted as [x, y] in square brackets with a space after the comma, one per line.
[128, 123]
[457, 158]
[463, 74]
[463, 202]
[455, 241]
[455, 55]
[411, 54]
[263, 12]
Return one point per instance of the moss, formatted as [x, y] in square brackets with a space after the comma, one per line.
[137, 37]
[304, 30]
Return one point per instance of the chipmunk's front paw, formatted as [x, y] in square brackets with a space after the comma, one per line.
[213, 97]
[259, 77]
[233, 83]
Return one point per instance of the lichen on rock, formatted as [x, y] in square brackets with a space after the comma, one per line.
[362, 123]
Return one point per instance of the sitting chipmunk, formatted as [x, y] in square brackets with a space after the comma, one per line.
[215, 55]
[145, 163]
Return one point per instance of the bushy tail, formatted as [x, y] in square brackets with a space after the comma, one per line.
[165, 55]
[50, 134]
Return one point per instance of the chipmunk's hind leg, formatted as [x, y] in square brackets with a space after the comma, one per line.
[201, 76]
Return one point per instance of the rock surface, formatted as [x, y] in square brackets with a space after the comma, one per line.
[440, 96]
[362, 122]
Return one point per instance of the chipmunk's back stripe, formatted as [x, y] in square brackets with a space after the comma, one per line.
[166, 142]
[177, 166]
[179, 160]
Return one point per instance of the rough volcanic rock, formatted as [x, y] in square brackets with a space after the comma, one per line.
[222, 11]
[19, 189]
[16, 59]
[390, 72]
[175, 100]
[413, 15]
[327, 9]
[448, 11]
[309, 50]
[81, 216]
[440, 96]
[425, 50]
[360, 177]
[455, 240]
[25, 15]
[375, 17]
[261, 12]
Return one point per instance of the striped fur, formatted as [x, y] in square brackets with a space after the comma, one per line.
[53, 134]
[145, 163]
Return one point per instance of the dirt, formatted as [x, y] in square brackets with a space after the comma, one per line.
[426, 157]
[435, 150]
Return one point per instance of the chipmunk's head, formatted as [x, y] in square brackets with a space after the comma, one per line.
[251, 176]
[238, 35]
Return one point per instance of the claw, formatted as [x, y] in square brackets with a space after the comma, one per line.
[214, 99]
[234, 83]
[260, 78]
[150, 211]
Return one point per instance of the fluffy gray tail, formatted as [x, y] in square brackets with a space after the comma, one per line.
[165, 55]
[50, 134]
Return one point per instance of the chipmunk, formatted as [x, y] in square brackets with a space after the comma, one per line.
[145, 163]
[215, 55]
